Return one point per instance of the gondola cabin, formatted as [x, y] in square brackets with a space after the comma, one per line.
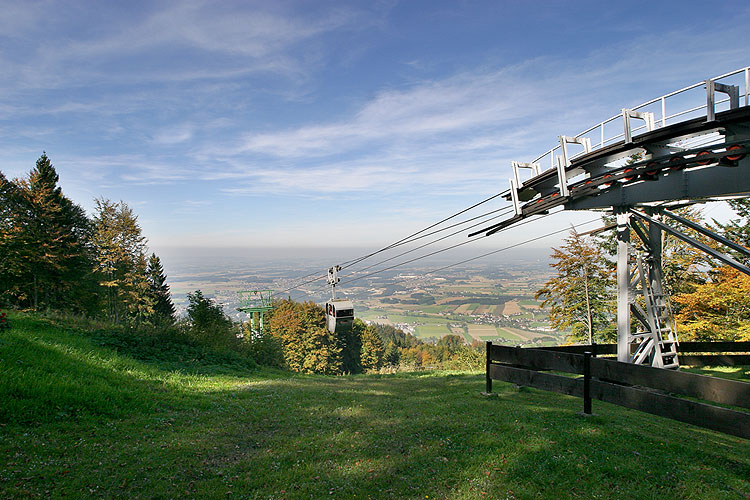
[339, 315]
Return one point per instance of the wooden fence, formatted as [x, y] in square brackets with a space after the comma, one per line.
[690, 353]
[651, 390]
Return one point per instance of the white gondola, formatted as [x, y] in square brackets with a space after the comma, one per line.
[339, 315]
[339, 312]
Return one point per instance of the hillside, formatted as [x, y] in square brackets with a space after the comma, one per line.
[86, 414]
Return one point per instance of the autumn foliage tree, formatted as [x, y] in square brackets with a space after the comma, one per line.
[716, 310]
[53, 256]
[44, 242]
[307, 345]
[121, 262]
[580, 295]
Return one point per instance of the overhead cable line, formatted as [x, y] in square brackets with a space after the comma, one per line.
[443, 238]
[392, 245]
[470, 259]
[504, 210]
[504, 248]
[412, 237]
[435, 253]
[301, 284]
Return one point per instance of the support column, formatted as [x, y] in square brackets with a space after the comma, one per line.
[623, 286]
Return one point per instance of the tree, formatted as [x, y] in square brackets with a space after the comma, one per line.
[307, 345]
[373, 352]
[121, 262]
[45, 241]
[716, 310]
[209, 323]
[579, 296]
[158, 291]
[738, 230]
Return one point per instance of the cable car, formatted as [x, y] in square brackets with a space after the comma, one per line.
[339, 312]
[339, 315]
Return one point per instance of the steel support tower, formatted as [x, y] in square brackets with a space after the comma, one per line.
[256, 302]
[693, 155]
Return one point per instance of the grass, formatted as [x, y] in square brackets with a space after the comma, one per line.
[82, 419]
[509, 334]
[432, 330]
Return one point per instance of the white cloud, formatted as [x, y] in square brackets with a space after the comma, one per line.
[174, 135]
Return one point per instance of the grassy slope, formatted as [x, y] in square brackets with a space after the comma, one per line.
[81, 420]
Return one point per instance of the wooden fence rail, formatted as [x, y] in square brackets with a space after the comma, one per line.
[690, 353]
[644, 388]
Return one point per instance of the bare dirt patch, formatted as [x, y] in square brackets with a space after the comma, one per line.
[512, 307]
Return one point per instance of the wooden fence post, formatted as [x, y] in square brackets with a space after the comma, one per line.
[488, 387]
[587, 383]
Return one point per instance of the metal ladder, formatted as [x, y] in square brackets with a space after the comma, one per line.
[656, 340]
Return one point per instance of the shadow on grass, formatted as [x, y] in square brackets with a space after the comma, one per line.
[424, 435]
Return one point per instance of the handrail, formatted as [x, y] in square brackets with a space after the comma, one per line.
[662, 120]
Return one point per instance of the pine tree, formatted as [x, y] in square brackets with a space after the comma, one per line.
[45, 239]
[580, 294]
[163, 308]
[738, 229]
[373, 352]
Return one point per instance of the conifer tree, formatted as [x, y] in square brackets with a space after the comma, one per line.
[163, 308]
[45, 239]
[738, 229]
[373, 352]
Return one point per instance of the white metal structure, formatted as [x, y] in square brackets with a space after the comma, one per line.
[695, 154]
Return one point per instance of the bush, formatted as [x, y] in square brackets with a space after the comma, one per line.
[208, 325]
[264, 348]
[170, 346]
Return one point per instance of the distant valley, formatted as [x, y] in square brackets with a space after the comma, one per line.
[478, 301]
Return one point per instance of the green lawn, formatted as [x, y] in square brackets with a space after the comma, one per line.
[432, 330]
[509, 334]
[81, 421]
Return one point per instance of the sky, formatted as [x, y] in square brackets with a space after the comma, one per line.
[329, 123]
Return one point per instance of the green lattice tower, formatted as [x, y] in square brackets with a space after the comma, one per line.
[255, 302]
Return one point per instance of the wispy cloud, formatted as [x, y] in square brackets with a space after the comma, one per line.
[208, 40]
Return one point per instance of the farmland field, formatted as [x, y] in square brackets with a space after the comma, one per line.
[432, 331]
[479, 331]
[511, 333]
[462, 309]
[526, 334]
[511, 307]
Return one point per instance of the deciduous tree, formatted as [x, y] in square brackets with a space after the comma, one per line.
[580, 295]
[716, 310]
[120, 261]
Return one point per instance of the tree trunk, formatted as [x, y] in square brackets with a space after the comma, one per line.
[589, 319]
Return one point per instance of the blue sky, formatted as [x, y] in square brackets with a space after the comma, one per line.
[325, 123]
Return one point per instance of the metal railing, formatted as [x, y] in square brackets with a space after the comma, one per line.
[661, 121]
